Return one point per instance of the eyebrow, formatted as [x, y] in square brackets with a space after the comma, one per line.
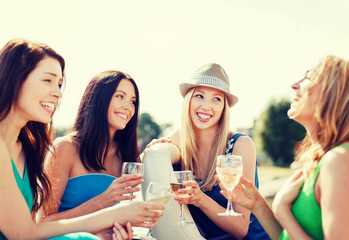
[124, 93]
[215, 94]
[53, 74]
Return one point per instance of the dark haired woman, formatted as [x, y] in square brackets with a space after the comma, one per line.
[85, 169]
[31, 77]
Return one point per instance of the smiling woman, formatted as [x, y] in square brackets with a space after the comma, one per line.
[31, 76]
[203, 136]
[89, 159]
[42, 89]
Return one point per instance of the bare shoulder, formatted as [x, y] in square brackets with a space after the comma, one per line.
[336, 161]
[64, 153]
[245, 142]
[64, 142]
[245, 147]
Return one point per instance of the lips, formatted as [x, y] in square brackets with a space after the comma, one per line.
[121, 115]
[296, 97]
[204, 117]
[48, 106]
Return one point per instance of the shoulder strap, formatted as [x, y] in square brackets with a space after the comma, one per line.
[231, 142]
[230, 147]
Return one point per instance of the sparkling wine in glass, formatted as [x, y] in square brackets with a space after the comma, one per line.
[132, 168]
[158, 194]
[182, 176]
[229, 171]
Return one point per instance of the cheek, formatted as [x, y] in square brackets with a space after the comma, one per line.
[219, 110]
[133, 112]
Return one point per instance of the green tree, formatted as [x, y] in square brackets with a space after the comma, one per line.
[278, 134]
[61, 131]
[148, 129]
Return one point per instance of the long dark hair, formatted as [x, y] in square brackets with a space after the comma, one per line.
[17, 59]
[91, 124]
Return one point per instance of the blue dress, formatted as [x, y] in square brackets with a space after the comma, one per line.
[24, 187]
[82, 188]
[207, 228]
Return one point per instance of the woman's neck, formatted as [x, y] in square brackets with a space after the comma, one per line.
[205, 141]
[10, 129]
[205, 138]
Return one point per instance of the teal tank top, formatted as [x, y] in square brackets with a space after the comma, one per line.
[24, 186]
[306, 210]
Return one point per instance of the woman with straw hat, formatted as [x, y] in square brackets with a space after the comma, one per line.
[203, 136]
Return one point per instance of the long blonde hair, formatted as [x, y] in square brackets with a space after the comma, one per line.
[189, 147]
[331, 111]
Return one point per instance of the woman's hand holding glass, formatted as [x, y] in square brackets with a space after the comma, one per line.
[182, 177]
[132, 168]
[119, 190]
[192, 194]
[245, 193]
[141, 214]
[159, 194]
[229, 169]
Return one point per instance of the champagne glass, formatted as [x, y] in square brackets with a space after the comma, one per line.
[182, 176]
[158, 194]
[229, 170]
[132, 168]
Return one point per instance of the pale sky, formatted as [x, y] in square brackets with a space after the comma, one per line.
[263, 45]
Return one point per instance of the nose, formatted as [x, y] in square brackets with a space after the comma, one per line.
[127, 105]
[57, 92]
[205, 104]
[296, 85]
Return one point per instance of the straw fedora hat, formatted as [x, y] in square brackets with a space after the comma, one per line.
[210, 75]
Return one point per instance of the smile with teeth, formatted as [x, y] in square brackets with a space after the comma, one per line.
[204, 116]
[48, 106]
[121, 115]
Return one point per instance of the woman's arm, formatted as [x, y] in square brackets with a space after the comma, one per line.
[235, 225]
[247, 195]
[168, 147]
[59, 165]
[16, 221]
[158, 161]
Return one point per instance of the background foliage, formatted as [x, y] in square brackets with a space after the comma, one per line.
[276, 134]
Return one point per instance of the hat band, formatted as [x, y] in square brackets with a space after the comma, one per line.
[212, 81]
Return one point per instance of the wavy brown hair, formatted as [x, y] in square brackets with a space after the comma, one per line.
[331, 111]
[17, 59]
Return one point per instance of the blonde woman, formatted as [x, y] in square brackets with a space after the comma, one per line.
[313, 203]
[204, 135]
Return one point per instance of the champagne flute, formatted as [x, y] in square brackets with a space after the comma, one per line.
[182, 176]
[229, 170]
[132, 168]
[158, 194]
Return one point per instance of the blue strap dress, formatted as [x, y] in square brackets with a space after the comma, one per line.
[82, 188]
[207, 228]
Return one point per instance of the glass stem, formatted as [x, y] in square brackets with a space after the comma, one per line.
[181, 212]
[131, 195]
[150, 232]
[230, 205]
